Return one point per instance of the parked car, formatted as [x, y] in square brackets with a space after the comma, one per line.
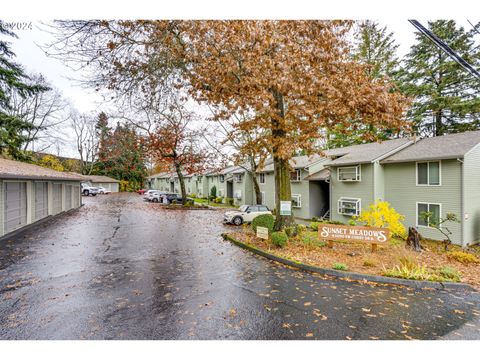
[89, 190]
[102, 190]
[245, 214]
[141, 191]
[175, 198]
[157, 196]
[147, 195]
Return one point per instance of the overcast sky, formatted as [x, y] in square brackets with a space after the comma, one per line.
[32, 57]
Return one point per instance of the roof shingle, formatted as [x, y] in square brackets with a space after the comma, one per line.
[10, 169]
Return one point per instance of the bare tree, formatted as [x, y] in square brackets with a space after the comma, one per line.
[86, 140]
[44, 111]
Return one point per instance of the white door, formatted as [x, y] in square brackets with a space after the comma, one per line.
[57, 198]
[76, 196]
[41, 200]
[15, 196]
[68, 197]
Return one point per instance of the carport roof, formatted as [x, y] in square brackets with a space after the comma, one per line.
[11, 169]
[101, 179]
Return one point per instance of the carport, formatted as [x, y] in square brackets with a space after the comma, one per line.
[29, 193]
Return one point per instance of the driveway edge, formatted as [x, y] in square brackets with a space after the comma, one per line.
[417, 284]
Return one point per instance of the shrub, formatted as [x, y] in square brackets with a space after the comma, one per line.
[218, 200]
[396, 242]
[213, 192]
[369, 263]
[315, 219]
[291, 231]
[229, 201]
[450, 274]
[381, 214]
[334, 222]
[415, 272]
[463, 257]
[264, 220]
[340, 266]
[279, 238]
[193, 196]
[311, 240]
[300, 228]
[314, 225]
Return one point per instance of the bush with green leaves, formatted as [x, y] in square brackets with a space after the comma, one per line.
[218, 200]
[229, 201]
[450, 274]
[279, 238]
[300, 228]
[314, 225]
[340, 266]
[291, 231]
[264, 220]
[213, 192]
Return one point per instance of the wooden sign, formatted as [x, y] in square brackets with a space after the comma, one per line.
[371, 235]
[262, 232]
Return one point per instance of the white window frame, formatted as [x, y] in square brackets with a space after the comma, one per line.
[299, 175]
[357, 200]
[428, 205]
[299, 200]
[428, 172]
[238, 178]
[221, 178]
[238, 194]
[261, 177]
[358, 173]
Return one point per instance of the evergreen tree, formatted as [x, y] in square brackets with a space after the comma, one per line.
[445, 95]
[12, 79]
[375, 47]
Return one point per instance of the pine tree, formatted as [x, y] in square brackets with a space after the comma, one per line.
[12, 79]
[445, 95]
[375, 47]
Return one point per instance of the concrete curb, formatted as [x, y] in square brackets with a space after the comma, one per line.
[416, 284]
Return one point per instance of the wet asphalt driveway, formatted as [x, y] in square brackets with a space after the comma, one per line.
[119, 268]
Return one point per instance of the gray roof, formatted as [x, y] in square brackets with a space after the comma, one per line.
[450, 146]
[297, 162]
[365, 153]
[10, 169]
[100, 179]
[323, 174]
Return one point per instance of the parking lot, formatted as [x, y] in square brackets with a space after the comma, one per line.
[122, 268]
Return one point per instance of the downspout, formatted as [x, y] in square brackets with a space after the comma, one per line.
[462, 202]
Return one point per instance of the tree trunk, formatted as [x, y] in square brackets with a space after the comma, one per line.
[256, 187]
[439, 130]
[178, 170]
[283, 191]
[413, 239]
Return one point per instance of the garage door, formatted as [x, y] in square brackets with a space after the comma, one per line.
[68, 197]
[41, 200]
[57, 198]
[15, 205]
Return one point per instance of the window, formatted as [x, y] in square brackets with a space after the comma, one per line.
[221, 178]
[262, 208]
[296, 200]
[348, 173]
[428, 173]
[349, 206]
[261, 178]
[295, 175]
[263, 197]
[433, 209]
[238, 194]
[238, 178]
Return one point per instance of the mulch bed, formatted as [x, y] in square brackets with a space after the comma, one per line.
[356, 255]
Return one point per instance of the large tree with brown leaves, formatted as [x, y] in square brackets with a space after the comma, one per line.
[294, 79]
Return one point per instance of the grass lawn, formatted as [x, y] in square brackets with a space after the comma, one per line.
[211, 203]
[392, 259]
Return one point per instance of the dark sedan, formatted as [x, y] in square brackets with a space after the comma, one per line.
[175, 199]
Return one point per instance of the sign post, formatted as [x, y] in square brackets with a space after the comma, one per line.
[286, 208]
[365, 234]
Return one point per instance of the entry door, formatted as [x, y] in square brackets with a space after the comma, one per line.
[15, 196]
[41, 200]
[57, 198]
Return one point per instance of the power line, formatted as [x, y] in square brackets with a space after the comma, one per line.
[447, 49]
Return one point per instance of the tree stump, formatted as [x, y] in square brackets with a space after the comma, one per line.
[413, 239]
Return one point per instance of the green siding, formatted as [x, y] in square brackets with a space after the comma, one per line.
[362, 190]
[471, 196]
[403, 194]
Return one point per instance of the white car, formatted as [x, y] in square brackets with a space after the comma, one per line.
[245, 214]
[157, 195]
[148, 194]
[102, 190]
